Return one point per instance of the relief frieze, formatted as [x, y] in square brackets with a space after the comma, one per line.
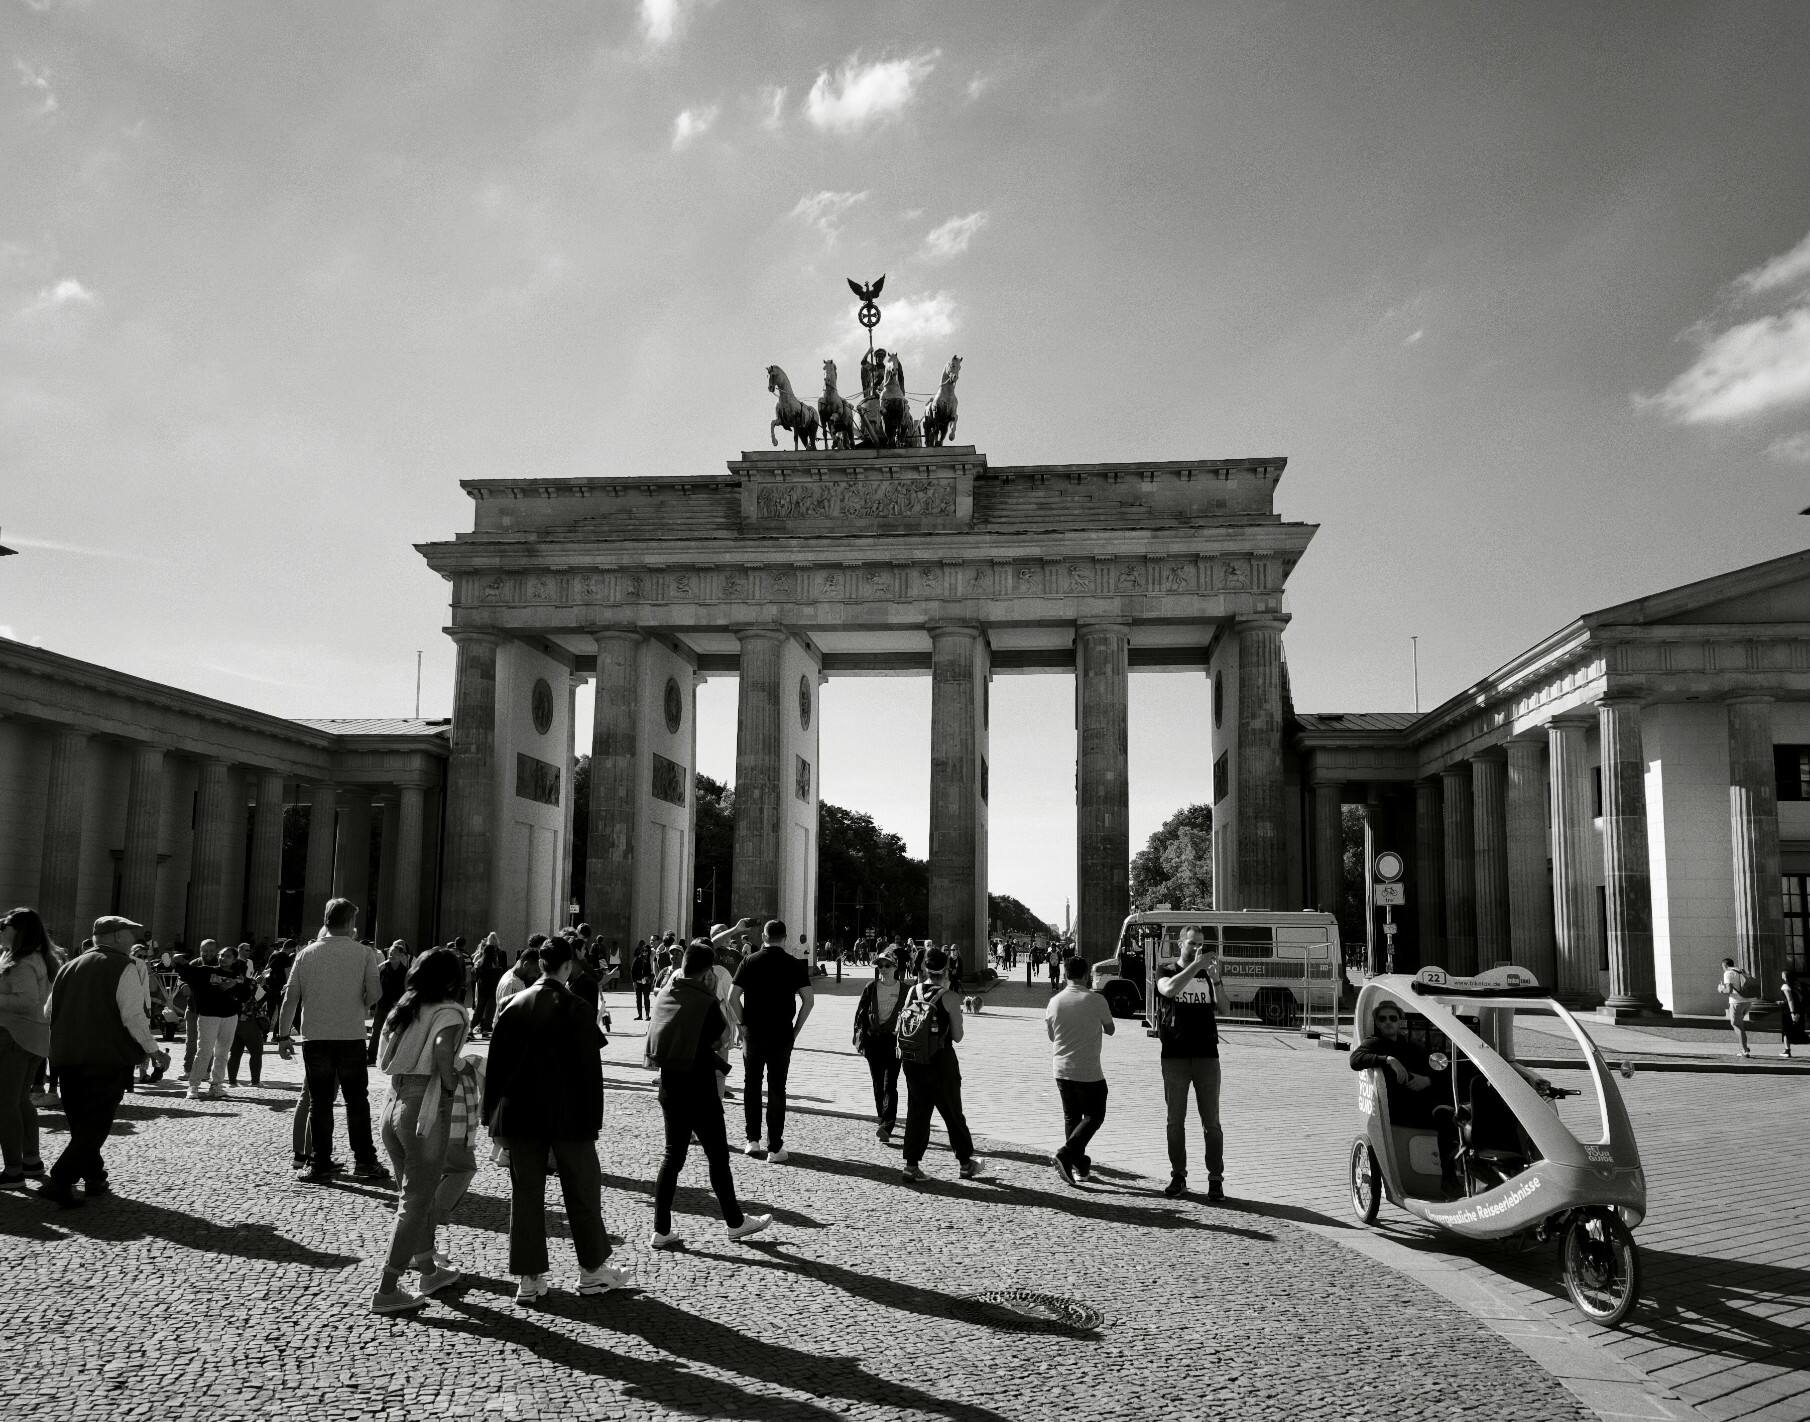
[851, 499]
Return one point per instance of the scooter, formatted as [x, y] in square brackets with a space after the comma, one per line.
[1522, 1173]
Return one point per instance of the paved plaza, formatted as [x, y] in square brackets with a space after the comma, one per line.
[216, 1286]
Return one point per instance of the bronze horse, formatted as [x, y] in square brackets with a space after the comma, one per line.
[939, 419]
[790, 413]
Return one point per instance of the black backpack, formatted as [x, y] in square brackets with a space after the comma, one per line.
[923, 1028]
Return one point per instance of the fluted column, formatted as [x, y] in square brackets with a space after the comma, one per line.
[571, 880]
[208, 869]
[1460, 870]
[471, 790]
[615, 788]
[266, 869]
[323, 838]
[958, 804]
[1577, 936]
[1753, 807]
[1627, 875]
[1102, 786]
[760, 785]
[1261, 840]
[1329, 846]
[383, 927]
[144, 836]
[1529, 881]
[59, 872]
[410, 828]
[1428, 873]
[1489, 840]
[352, 857]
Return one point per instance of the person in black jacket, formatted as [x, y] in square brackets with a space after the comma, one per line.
[1418, 1095]
[686, 1040]
[543, 1101]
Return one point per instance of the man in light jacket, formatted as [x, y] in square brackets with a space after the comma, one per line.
[334, 985]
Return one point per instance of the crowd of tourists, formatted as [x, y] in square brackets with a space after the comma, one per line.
[92, 1021]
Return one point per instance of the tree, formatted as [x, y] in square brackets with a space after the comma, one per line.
[1014, 917]
[581, 827]
[865, 879]
[1176, 866]
[714, 885]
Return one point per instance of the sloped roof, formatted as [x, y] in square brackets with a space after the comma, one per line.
[375, 726]
[1675, 603]
[1337, 721]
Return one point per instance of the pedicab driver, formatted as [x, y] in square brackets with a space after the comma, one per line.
[1414, 1098]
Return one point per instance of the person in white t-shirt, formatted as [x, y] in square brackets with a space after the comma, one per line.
[1743, 994]
[1078, 1020]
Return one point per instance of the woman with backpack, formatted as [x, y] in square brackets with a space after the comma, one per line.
[1743, 996]
[929, 1026]
[876, 1025]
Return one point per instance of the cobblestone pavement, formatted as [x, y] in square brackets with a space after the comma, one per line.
[1724, 1329]
[213, 1286]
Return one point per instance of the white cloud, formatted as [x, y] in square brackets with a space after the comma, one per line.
[1413, 338]
[9, 633]
[49, 305]
[1791, 449]
[910, 321]
[951, 239]
[773, 105]
[1789, 269]
[692, 124]
[825, 210]
[37, 77]
[1749, 369]
[662, 20]
[978, 85]
[861, 95]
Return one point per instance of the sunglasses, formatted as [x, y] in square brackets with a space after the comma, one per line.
[1389, 1017]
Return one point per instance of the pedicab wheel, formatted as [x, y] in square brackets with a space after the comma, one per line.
[1366, 1182]
[1601, 1266]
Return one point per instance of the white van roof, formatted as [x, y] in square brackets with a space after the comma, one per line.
[1205, 917]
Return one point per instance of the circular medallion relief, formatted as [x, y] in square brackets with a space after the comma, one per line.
[804, 702]
[541, 706]
[675, 706]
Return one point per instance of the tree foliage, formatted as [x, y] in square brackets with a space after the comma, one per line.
[1013, 917]
[865, 879]
[1176, 866]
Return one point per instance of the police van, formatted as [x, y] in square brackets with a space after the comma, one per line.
[1273, 967]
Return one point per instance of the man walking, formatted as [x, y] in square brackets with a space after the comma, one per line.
[334, 984]
[929, 1026]
[1188, 1029]
[1743, 993]
[768, 986]
[686, 1039]
[100, 1032]
[543, 1096]
[1078, 1020]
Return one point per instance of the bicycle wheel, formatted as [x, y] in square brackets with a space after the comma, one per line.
[1601, 1266]
[1366, 1182]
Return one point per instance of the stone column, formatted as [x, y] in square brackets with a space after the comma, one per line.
[1627, 875]
[958, 803]
[1428, 873]
[1529, 881]
[1489, 840]
[615, 807]
[760, 781]
[59, 873]
[570, 883]
[383, 927]
[1329, 846]
[1262, 841]
[1577, 937]
[1753, 807]
[352, 856]
[1102, 787]
[266, 869]
[471, 782]
[1374, 833]
[213, 821]
[1460, 871]
[323, 836]
[144, 836]
[410, 829]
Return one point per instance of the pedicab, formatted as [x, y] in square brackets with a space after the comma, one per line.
[1519, 1162]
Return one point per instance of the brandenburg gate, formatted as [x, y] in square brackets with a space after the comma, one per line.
[797, 566]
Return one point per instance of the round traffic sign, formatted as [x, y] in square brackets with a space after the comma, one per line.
[1388, 866]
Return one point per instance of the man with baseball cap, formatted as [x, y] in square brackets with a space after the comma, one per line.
[100, 1032]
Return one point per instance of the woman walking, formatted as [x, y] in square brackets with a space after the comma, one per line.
[876, 1023]
[28, 963]
[1794, 1029]
[419, 1051]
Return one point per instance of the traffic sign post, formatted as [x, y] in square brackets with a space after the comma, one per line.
[1388, 891]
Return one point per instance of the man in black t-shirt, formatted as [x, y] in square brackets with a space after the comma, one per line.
[1188, 1028]
[769, 985]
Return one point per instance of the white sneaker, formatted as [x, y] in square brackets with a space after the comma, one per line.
[669, 1240]
[529, 1287]
[601, 1280]
[751, 1224]
[193, 1094]
[398, 1300]
[752, 1148]
[427, 1263]
[433, 1280]
[778, 1157]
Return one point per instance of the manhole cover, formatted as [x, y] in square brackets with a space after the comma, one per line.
[1026, 1308]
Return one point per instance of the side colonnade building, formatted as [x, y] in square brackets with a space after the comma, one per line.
[121, 795]
[1617, 809]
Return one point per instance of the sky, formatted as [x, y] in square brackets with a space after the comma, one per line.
[1522, 292]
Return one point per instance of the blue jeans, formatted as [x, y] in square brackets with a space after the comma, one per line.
[1201, 1073]
[427, 1190]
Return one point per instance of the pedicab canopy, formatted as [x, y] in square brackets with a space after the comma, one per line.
[1477, 1017]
